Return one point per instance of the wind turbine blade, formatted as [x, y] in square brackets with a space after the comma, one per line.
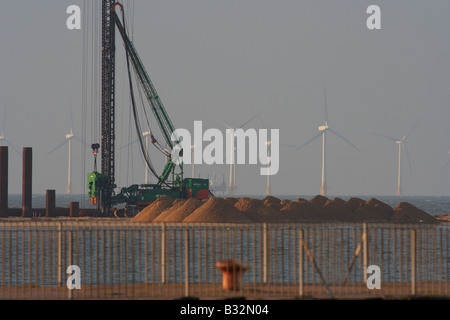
[383, 136]
[12, 147]
[446, 165]
[225, 124]
[4, 121]
[309, 141]
[325, 104]
[288, 145]
[262, 122]
[407, 158]
[249, 120]
[56, 148]
[410, 130]
[129, 144]
[81, 141]
[70, 114]
[342, 137]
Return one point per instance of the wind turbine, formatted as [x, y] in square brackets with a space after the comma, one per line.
[322, 132]
[401, 145]
[69, 137]
[2, 134]
[446, 163]
[146, 135]
[232, 182]
[269, 149]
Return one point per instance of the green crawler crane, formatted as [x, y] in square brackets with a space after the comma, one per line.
[144, 194]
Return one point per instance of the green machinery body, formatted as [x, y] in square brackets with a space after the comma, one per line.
[141, 195]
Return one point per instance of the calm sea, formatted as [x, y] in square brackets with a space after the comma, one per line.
[434, 205]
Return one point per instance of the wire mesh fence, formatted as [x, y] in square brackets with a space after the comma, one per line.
[126, 260]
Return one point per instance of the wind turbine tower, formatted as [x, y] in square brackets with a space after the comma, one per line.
[322, 132]
[232, 182]
[69, 137]
[401, 146]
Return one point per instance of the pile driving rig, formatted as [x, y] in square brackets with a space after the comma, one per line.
[101, 184]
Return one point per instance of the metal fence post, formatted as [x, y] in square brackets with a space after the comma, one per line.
[365, 253]
[70, 296]
[186, 262]
[413, 261]
[59, 254]
[163, 253]
[265, 253]
[300, 267]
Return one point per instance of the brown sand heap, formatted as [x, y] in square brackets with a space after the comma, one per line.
[272, 210]
[318, 201]
[180, 211]
[257, 211]
[149, 213]
[229, 199]
[336, 210]
[374, 211]
[353, 203]
[318, 206]
[217, 210]
[273, 202]
[299, 211]
[177, 204]
[407, 213]
[444, 217]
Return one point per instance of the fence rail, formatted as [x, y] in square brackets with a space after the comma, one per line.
[123, 260]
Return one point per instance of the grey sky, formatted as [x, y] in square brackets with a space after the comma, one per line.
[227, 60]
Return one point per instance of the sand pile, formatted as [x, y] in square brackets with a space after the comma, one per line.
[299, 211]
[217, 210]
[231, 201]
[444, 217]
[374, 211]
[337, 210]
[179, 211]
[318, 201]
[176, 208]
[273, 203]
[258, 211]
[407, 213]
[353, 203]
[273, 210]
[149, 213]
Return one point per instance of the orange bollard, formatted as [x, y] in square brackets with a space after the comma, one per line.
[232, 274]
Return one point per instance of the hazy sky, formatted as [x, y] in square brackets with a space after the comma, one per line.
[225, 61]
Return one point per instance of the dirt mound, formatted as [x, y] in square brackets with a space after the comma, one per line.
[149, 213]
[337, 210]
[257, 211]
[217, 210]
[299, 211]
[180, 211]
[443, 217]
[273, 203]
[272, 210]
[354, 203]
[327, 210]
[407, 213]
[379, 211]
[318, 201]
[231, 201]
[177, 204]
